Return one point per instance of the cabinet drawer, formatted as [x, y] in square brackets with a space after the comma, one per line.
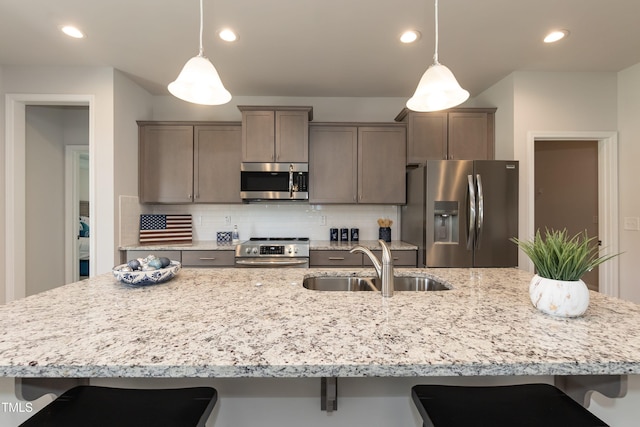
[400, 258]
[334, 259]
[141, 253]
[208, 258]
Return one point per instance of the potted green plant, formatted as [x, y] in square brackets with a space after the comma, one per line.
[561, 261]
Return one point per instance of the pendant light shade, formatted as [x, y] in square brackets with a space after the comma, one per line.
[199, 82]
[438, 88]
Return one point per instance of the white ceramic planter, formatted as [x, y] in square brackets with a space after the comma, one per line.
[559, 297]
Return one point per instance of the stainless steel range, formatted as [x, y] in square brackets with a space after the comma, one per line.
[270, 252]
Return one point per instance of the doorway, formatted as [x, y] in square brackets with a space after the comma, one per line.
[53, 133]
[15, 203]
[566, 190]
[608, 212]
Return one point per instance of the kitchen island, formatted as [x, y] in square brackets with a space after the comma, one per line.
[262, 323]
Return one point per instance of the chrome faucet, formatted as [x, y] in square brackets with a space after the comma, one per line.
[384, 269]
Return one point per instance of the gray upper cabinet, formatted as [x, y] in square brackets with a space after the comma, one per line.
[275, 134]
[357, 164]
[459, 133]
[165, 163]
[217, 158]
[189, 162]
[333, 164]
[382, 158]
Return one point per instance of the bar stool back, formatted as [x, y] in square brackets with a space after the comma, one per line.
[525, 405]
[96, 406]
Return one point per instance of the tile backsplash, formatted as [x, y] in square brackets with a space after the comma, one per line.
[282, 219]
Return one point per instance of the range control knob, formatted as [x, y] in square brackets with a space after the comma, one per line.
[255, 251]
[248, 251]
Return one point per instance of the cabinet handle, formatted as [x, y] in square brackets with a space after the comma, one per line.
[207, 258]
[336, 258]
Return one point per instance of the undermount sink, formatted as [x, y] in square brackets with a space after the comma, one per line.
[352, 284]
[415, 284]
[332, 283]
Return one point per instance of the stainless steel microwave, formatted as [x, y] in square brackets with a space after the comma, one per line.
[274, 181]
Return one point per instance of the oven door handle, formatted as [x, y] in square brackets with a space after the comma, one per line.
[272, 263]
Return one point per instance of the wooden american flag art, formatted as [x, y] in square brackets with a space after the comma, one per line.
[157, 228]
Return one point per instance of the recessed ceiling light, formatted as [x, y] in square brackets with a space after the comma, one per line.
[228, 35]
[555, 36]
[72, 31]
[410, 36]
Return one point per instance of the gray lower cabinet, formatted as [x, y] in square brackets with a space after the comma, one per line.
[402, 258]
[189, 162]
[357, 164]
[198, 258]
[141, 253]
[208, 258]
[340, 258]
[334, 259]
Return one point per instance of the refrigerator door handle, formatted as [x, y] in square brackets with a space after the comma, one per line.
[480, 214]
[472, 213]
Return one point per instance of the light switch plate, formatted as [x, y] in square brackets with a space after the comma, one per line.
[632, 223]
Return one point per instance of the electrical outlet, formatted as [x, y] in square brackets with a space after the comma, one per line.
[323, 220]
[199, 219]
[227, 219]
[632, 223]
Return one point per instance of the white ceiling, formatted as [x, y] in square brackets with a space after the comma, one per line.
[326, 48]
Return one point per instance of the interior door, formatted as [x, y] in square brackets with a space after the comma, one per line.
[566, 185]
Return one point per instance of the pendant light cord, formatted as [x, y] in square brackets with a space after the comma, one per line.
[201, 25]
[435, 55]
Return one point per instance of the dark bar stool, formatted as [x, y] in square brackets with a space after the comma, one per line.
[95, 406]
[514, 405]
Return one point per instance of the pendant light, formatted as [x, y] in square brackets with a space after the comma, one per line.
[199, 82]
[438, 88]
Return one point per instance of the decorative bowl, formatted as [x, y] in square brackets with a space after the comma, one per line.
[146, 277]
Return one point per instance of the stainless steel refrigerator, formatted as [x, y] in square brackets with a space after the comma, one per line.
[462, 213]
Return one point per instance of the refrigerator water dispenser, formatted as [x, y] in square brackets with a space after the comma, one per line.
[446, 222]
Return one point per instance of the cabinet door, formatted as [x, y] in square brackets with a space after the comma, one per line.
[470, 136]
[292, 136]
[141, 253]
[382, 157]
[217, 157]
[333, 164]
[258, 136]
[208, 258]
[401, 258]
[427, 137]
[334, 259]
[165, 163]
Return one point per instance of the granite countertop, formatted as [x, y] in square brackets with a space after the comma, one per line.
[263, 323]
[203, 245]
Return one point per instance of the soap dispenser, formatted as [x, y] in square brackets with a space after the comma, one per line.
[235, 235]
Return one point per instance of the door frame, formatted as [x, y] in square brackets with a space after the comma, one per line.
[72, 162]
[608, 228]
[15, 204]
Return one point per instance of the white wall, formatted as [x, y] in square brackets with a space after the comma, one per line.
[91, 81]
[324, 109]
[131, 103]
[3, 238]
[629, 156]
